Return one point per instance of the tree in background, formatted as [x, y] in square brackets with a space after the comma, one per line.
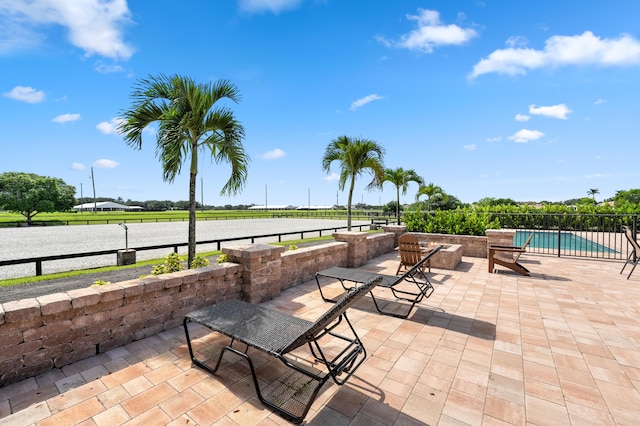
[188, 120]
[356, 156]
[631, 196]
[444, 201]
[400, 178]
[428, 190]
[593, 192]
[30, 194]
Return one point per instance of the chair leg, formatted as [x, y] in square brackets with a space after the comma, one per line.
[634, 267]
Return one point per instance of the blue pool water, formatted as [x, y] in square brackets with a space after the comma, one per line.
[568, 241]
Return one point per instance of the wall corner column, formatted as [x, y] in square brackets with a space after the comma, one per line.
[357, 247]
[261, 270]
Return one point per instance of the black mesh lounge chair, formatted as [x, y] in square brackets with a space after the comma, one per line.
[635, 250]
[510, 261]
[278, 334]
[413, 276]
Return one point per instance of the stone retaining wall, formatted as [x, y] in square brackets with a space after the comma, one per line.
[473, 246]
[38, 334]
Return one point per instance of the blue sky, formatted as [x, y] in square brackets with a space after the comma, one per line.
[526, 100]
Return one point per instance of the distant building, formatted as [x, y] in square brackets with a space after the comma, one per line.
[315, 208]
[273, 207]
[105, 206]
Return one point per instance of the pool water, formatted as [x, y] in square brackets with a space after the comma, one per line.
[568, 241]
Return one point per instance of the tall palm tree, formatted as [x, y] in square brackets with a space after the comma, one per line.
[429, 190]
[356, 156]
[593, 192]
[401, 178]
[188, 121]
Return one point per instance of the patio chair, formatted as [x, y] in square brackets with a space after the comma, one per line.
[511, 260]
[410, 252]
[414, 276]
[635, 250]
[279, 334]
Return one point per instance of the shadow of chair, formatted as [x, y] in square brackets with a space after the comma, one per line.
[509, 258]
[410, 252]
[635, 250]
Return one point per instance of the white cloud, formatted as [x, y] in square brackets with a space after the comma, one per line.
[471, 147]
[522, 117]
[105, 164]
[494, 139]
[78, 166]
[103, 68]
[600, 101]
[524, 136]
[516, 41]
[66, 118]
[273, 6]
[554, 111]
[95, 26]
[333, 177]
[559, 51]
[26, 94]
[431, 33]
[110, 127]
[273, 154]
[363, 101]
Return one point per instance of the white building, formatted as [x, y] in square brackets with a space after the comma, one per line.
[105, 206]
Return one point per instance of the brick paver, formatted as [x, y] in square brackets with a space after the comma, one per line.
[559, 347]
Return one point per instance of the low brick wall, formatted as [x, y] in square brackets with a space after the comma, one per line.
[472, 246]
[301, 265]
[41, 333]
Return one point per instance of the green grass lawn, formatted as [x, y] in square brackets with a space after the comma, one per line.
[85, 218]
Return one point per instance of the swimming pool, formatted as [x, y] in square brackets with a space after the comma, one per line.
[568, 241]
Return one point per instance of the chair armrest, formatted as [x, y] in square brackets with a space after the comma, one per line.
[509, 249]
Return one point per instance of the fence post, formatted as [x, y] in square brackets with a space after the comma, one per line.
[559, 230]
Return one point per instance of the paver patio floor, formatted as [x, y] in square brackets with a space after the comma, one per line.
[559, 347]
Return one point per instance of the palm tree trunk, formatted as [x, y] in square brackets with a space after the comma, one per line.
[353, 179]
[192, 219]
[398, 204]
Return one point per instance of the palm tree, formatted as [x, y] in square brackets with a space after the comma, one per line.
[188, 121]
[429, 190]
[401, 178]
[356, 156]
[593, 192]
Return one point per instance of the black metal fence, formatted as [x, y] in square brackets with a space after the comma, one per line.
[38, 261]
[150, 218]
[578, 235]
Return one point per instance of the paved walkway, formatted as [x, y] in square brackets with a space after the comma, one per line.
[560, 347]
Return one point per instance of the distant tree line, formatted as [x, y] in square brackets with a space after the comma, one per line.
[164, 205]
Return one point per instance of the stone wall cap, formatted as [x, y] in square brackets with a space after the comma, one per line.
[505, 232]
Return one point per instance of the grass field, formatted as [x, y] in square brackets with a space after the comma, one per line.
[88, 218]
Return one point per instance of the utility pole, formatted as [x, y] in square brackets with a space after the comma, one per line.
[309, 196]
[95, 203]
[202, 194]
[265, 196]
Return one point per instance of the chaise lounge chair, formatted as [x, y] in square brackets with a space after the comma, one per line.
[510, 261]
[278, 334]
[414, 276]
[635, 250]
